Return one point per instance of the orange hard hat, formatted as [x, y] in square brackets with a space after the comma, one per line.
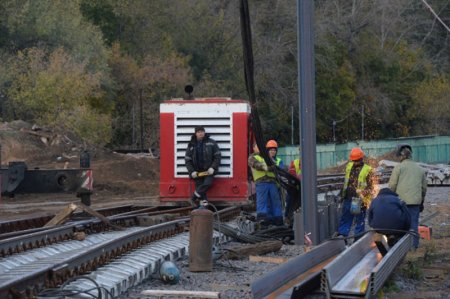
[271, 144]
[356, 154]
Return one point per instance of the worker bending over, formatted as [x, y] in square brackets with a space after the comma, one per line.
[389, 216]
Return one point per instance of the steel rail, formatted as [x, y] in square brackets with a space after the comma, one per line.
[10, 229]
[44, 236]
[37, 222]
[360, 271]
[302, 272]
[37, 239]
[382, 271]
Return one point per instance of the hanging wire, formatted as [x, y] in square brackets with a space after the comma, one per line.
[435, 15]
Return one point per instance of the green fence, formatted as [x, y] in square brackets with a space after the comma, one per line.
[426, 149]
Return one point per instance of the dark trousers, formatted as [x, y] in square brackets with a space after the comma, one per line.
[414, 211]
[202, 184]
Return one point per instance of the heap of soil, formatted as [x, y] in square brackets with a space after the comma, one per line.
[114, 173]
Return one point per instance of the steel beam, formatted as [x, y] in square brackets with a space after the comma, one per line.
[298, 271]
[360, 271]
[307, 104]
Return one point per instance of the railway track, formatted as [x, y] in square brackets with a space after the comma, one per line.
[8, 229]
[49, 258]
[12, 228]
[36, 258]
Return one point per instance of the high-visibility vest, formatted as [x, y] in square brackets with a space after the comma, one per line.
[277, 161]
[362, 180]
[298, 170]
[257, 174]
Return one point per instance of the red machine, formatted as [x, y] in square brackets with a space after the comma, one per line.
[226, 121]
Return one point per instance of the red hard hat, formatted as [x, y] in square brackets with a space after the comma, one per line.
[356, 154]
[271, 144]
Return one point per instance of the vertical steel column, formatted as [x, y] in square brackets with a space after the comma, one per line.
[299, 232]
[306, 87]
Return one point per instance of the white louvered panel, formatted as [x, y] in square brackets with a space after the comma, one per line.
[205, 122]
[184, 140]
[224, 147]
[226, 160]
[217, 123]
[210, 129]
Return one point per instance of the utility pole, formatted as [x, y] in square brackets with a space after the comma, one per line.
[334, 131]
[362, 122]
[141, 120]
[292, 125]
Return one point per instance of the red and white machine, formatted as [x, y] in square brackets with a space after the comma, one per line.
[227, 122]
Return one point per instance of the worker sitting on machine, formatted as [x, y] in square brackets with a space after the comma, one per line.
[202, 160]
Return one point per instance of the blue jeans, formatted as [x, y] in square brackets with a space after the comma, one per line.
[268, 203]
[414, 212]
[346, 221]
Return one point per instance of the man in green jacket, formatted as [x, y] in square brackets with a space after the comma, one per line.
[409, 181]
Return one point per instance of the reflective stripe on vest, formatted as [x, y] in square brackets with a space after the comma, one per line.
[362, 179]
[257, 174]
[298, 170]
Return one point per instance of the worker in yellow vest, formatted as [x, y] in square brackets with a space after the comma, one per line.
[268, 200]
[295, 168]
[356, 194]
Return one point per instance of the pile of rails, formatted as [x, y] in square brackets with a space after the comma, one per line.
[437, 174]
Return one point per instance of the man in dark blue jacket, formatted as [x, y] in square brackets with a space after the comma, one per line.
[202, 157]
[389, 215]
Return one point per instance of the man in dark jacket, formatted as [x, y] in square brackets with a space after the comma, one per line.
[202, 161]
[387, 214]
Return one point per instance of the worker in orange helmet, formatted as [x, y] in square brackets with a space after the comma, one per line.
[356, 194]
[272, 149]
[268, 200]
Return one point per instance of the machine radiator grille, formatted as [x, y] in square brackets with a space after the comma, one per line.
[219, 128]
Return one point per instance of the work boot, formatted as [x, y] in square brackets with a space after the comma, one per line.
[195, 200]
[194, 203]
[337, 235]
[278, 221]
